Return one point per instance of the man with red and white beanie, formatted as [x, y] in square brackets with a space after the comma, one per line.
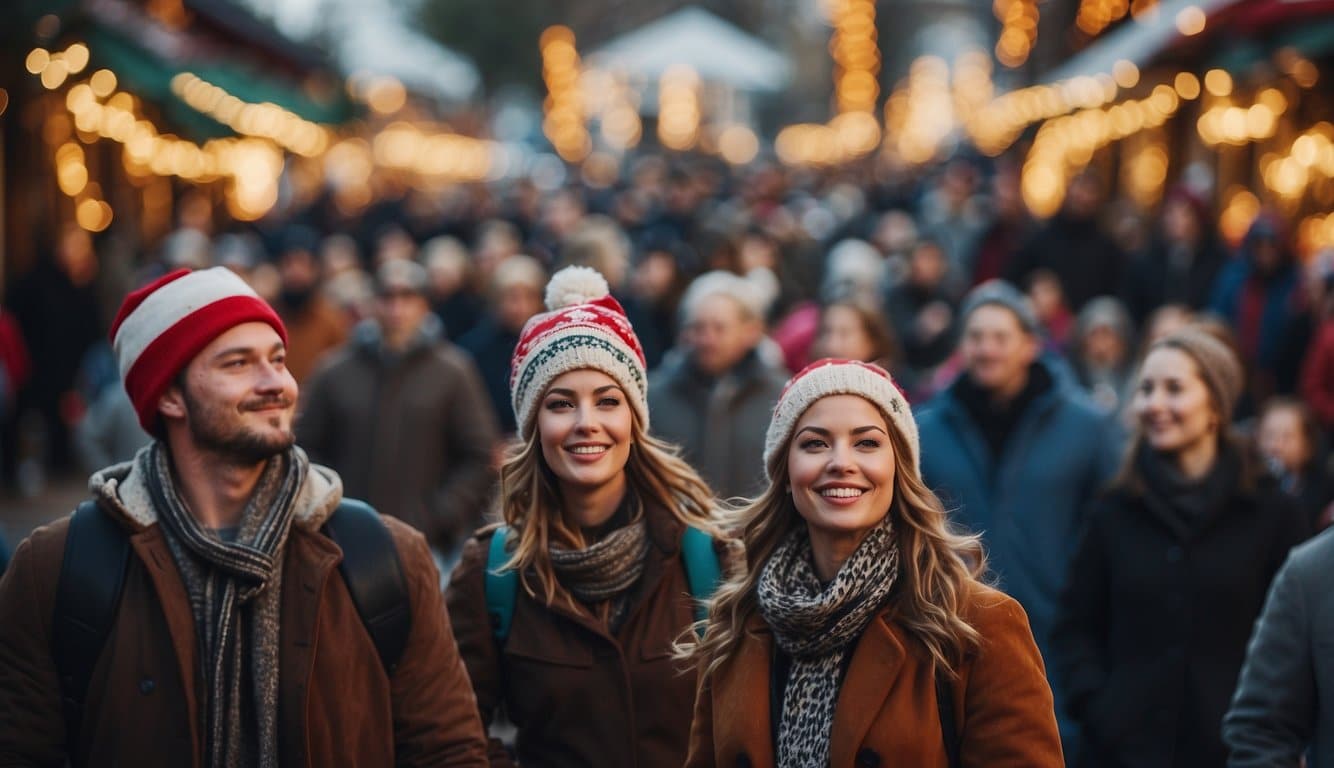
[193, 599]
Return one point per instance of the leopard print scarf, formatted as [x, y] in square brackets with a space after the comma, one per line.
[817, 625]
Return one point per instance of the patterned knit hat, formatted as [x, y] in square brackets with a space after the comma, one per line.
[839, 377]
[164, 324]
[585, 328]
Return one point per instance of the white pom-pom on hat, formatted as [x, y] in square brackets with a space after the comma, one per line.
[575, 285]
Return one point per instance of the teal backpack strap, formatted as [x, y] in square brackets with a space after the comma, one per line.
[703, 571]
[501, 585]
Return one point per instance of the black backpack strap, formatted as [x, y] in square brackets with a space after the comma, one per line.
[374, 577]
[92, 575]
[949, 725]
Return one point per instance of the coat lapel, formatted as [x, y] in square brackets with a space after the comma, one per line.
[876, 662]
[310, 559]
[151, 548]
[741, 700]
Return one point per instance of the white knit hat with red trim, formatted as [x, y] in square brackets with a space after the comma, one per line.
[163, 325]
[585, 328]
[831, 376]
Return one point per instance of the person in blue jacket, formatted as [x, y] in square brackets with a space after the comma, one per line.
[1017, 455]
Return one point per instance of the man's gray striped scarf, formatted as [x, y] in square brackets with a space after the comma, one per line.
[234, 588]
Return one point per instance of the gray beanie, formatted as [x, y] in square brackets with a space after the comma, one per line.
[1219, 367]
[1001, 293]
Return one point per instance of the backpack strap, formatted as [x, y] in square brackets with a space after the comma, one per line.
[949, 726]
[501, 585]
[92, 575]
[374, 577]
[703, 571]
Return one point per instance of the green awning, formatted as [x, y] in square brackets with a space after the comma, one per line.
[149, 77]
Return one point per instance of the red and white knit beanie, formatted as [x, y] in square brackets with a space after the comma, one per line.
[584, 328]
[163, 325]
[839, 377]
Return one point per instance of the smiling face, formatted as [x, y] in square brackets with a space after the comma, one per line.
[1172, 403]
[236, 398]
[586, 426]
[841, 467]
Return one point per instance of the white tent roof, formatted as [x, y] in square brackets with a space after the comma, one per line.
[374, 39]
[693, 37]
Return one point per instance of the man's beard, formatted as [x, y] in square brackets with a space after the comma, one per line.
[234, 444]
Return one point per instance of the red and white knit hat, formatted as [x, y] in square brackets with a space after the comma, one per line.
[585, 328]
[839, 377]
[163, 325]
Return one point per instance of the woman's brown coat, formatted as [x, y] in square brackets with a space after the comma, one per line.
[579, 696]
[887, 712]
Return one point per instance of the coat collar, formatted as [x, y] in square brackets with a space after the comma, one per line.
[122, 489]
[877, 660]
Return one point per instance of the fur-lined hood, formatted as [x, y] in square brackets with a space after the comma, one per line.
[122, 487]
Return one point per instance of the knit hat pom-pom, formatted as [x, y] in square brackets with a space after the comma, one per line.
[575, 285]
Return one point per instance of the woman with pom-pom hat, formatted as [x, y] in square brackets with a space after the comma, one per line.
[567, 612]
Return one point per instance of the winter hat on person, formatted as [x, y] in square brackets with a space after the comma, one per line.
[1002, 294]
[1218, 365]
[585, 327]
[164, 324]
[839, 377]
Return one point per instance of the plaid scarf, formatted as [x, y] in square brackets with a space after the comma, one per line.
[234, 589]
[817, 625]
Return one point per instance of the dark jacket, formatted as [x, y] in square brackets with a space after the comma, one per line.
[719, 423]
[336, 705]
[1161, 276]
[492, 348]
[1086, 261]
[579, 696]
[412, 433]
[887, 713]
[1154, 620]
[1028, 501]
[1285, 699]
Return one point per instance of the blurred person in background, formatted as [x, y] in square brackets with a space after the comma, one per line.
[402, 416]
[895, 235]
[922, 312]
[713, 394]
[1017, 456]
[657, 280]
[1171, 569]
[453, 297]
[1259, 294]
[496, 241]
[108, 432]
[1317, 376]
[953, 216]
[346, 284]
[1182, 260]
[56, 308]
[1288, 439]
[1053, 313]
[561, 213]
[1009, 228]
[853, 268]
[1163, 321]
[15, 369]
[1073, 246]
[314, 326]
[1102, 353]
[853, 327]
[515, 296]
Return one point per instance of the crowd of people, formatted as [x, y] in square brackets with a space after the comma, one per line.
[1045, 471]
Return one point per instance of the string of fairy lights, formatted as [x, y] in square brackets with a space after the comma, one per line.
[924, 114]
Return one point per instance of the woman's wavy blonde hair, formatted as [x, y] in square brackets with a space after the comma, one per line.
[530, 501]
[936, 566]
